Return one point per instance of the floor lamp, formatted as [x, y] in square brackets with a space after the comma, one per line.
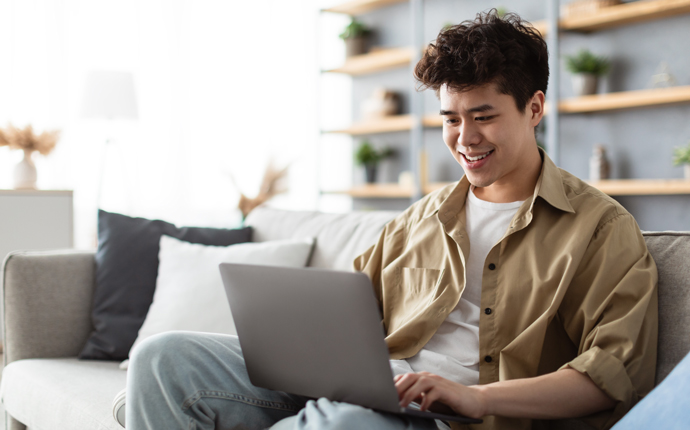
[109, 95]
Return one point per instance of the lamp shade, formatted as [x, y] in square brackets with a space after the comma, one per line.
[109, 95]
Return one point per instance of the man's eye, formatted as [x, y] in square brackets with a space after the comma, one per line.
[451, 121]
[483, 118]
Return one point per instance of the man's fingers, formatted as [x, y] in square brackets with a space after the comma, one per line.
[403, 382]
[420, 386]
[429, 398]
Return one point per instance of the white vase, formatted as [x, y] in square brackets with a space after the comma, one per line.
[686, 171]
[585, 84]
[25, 172]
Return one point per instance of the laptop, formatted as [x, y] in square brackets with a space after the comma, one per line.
[315, 333]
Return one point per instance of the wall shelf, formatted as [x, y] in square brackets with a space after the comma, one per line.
[388, 124]
[382, 125]
[626, 187]
[641, 187]
[625, 100]
[616, 16]
[375, 61]
[628, 13]
[357, 7]
[385, 191]
[593, 103]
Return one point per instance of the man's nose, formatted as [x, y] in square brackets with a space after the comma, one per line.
[469, 134]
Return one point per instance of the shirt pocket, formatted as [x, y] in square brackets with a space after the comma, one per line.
[419, 281]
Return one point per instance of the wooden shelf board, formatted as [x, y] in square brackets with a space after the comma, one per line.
[357, 7]
[385, 191]
[382, 125]
[640, 187]
[626, 13]
[613, 187]
[542, 26]
[375, 61]
[372, 191]
[625, 100]
[594, 103]
[623, 187]
[432, 120]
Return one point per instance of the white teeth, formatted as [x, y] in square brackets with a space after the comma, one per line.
[477, 158]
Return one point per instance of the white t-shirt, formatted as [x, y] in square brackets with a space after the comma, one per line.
[453, 351]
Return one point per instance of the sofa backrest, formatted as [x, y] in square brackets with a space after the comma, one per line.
[339, 237]
[342, 237]
[671, 252]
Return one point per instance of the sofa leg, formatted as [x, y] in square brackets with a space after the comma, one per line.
[12, 424]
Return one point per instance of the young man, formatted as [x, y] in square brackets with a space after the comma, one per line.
[519, 293]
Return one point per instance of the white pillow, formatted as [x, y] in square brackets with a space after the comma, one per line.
[189, 291]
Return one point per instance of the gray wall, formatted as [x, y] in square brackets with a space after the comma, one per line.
[639, 142]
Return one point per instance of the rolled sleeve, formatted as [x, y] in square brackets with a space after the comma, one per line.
[613, 316]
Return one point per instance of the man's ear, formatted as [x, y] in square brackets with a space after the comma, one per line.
[535, 107]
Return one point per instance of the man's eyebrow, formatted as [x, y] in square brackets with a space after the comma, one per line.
[482, 108]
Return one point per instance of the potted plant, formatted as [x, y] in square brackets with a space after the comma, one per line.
[367, 156]
[355, 36]
[681, 156]
[586, 69]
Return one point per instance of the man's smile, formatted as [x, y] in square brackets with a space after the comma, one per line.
[476, 157]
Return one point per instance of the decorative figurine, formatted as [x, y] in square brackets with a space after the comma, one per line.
[663, 77]
[598, 164]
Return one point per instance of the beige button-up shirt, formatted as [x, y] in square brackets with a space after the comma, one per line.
[571, 283]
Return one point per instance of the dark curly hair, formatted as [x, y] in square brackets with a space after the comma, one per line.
[504, 50]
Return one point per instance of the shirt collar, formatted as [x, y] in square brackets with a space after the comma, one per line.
[549, 187]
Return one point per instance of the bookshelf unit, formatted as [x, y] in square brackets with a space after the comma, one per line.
[615, 16]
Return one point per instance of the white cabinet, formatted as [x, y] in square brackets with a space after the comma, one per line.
[35, 220]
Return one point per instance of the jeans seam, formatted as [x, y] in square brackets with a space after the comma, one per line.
[239, 398]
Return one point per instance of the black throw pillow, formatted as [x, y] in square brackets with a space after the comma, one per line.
[126, 271]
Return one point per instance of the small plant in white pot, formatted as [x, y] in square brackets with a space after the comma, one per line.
[356, 35]
[681, 156]
[586, 69]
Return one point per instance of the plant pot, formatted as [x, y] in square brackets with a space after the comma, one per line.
[686, 171]
[355, 46]
[25, 174]
[370, 172]
[585, 84]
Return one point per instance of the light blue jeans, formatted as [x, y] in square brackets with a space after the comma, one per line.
[181, 380]
[666, 406]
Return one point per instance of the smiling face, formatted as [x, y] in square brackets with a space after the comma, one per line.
[493, 141]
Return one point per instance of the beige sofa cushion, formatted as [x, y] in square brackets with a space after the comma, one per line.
[671, 252]
[43, 392]
[339, 237]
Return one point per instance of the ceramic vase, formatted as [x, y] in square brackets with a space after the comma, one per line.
[25, 172]
[585, 84]
[686, 171]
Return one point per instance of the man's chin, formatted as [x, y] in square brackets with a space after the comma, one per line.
[478, 182]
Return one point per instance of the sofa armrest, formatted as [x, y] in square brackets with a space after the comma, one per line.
[47, 301]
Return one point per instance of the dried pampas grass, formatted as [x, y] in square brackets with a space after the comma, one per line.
[271, 186]
[26, 139]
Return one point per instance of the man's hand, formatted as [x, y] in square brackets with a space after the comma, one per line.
[433, 392]
[565, 393]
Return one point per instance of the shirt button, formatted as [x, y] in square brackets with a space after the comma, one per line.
[487, 311]
[492, 266]
[488, 359]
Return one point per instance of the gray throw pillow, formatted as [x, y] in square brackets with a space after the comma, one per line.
[126, 271]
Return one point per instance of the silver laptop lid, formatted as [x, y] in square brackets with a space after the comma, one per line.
[311, 332]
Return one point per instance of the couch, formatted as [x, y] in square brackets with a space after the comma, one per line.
[47, 302]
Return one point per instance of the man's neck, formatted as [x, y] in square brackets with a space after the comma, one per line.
[517, 188]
